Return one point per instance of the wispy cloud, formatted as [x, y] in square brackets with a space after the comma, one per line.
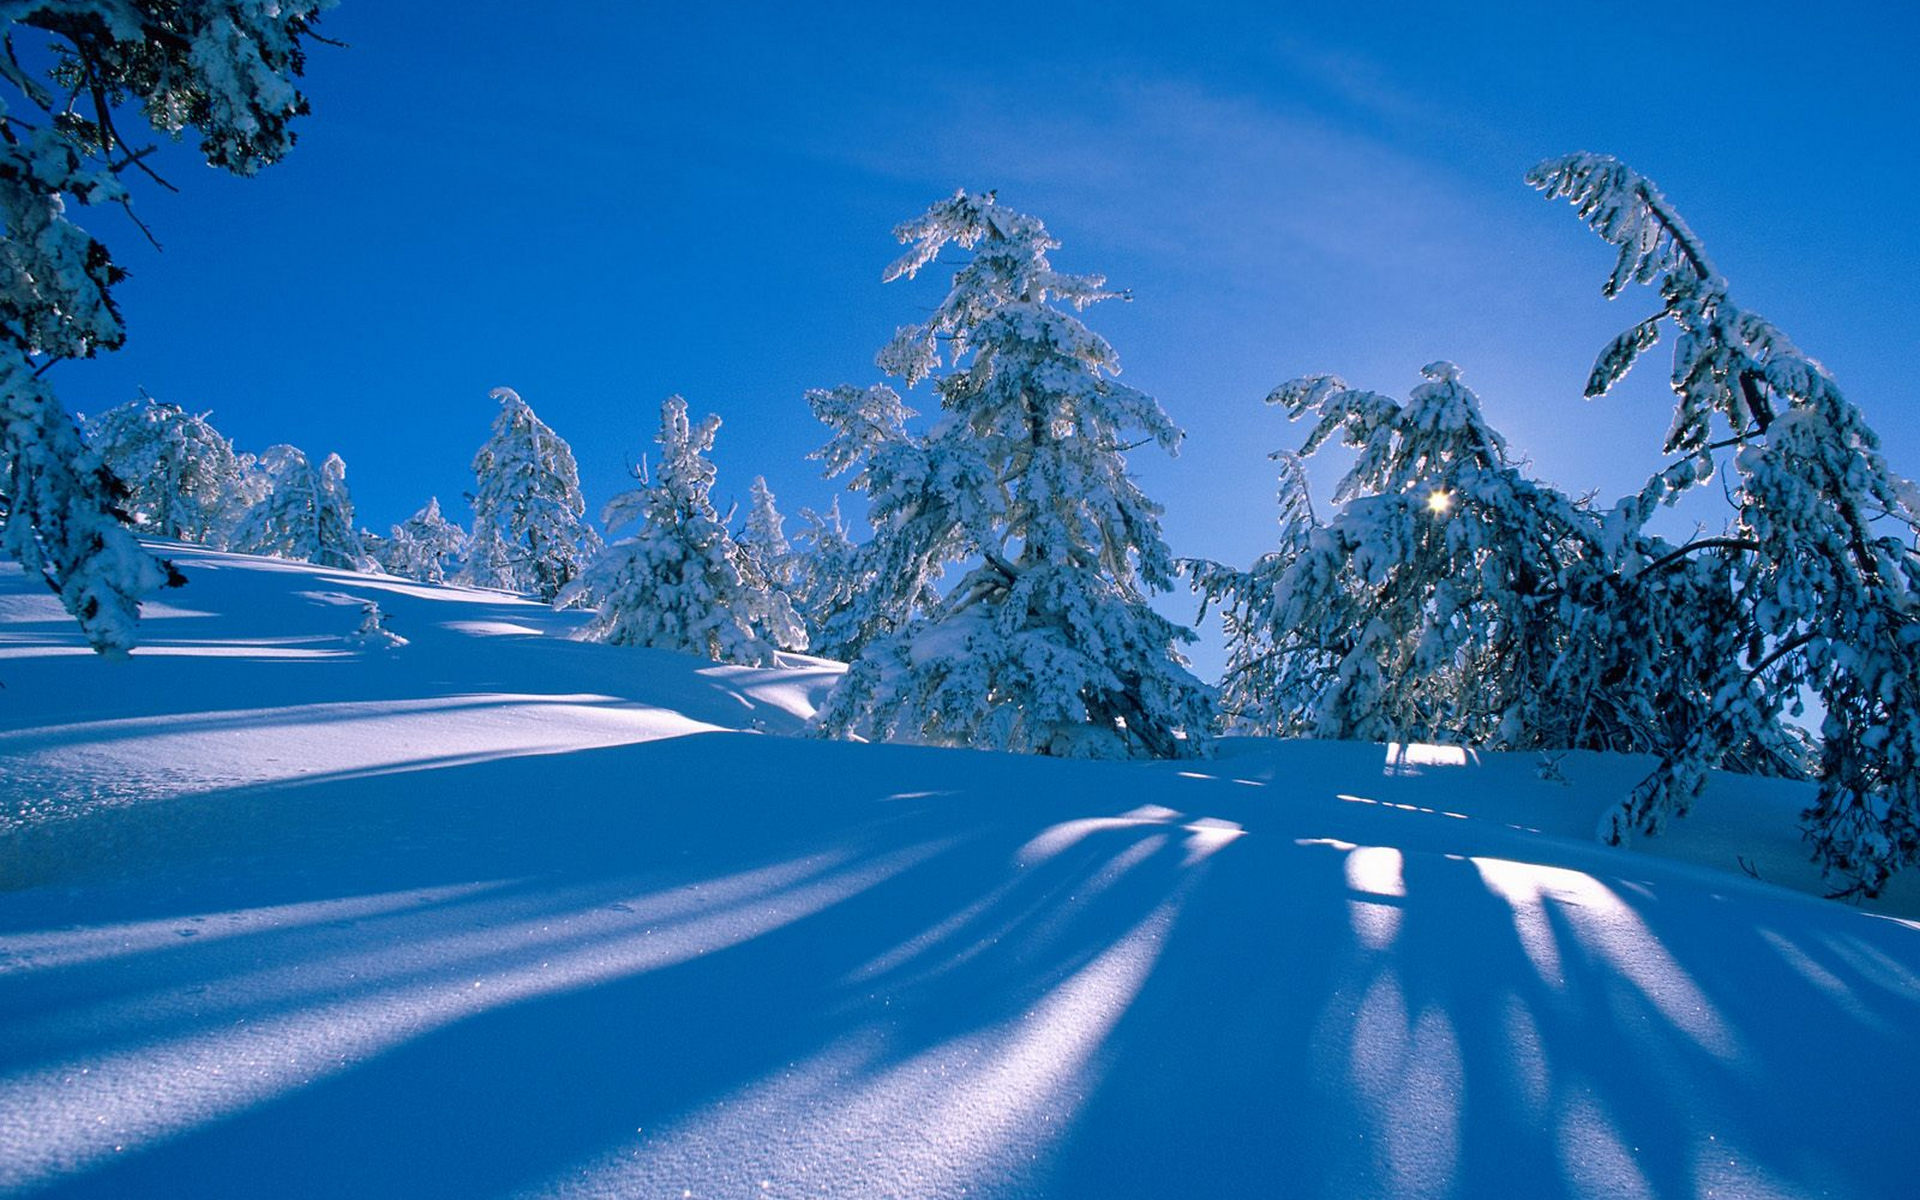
[1173, 167]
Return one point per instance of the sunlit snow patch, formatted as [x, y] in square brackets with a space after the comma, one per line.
[793, 686]
[1376, 872]
[1412, 808]
[141, 758]
[1608, 929]
[1205, 835]
[1408, 1072]
[36, 951]
[488, 628]
[1406, 758]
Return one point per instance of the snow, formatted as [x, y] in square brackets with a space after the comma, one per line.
[498, 912]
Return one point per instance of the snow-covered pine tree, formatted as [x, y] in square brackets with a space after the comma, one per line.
[1047, 643]
[1655, 637]
[824, 576]
[1264, 688]
[681, 582]
[911, 481]
[182, 477]
[227, 69]
[1824, 579]
[376, 549]
[307, 514]
[1452, 597]
[254, 482]
[768, 555]
[426, 546]
[1430, 606]
[529, 528]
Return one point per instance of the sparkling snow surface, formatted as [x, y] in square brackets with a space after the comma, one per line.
[499, 913]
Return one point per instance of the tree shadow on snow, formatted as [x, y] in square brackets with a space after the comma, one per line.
[1441, 1021]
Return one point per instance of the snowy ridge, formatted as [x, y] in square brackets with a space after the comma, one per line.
[498, 912]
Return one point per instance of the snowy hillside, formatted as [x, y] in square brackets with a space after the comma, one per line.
[495, 912]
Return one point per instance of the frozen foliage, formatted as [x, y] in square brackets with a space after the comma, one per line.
[681, 582]
[1264, 687]
[307, 514]
[183, 479]
[824, 579]
[1451, 598]
[60, 514]
[1431, 606]
[529, 530]
[1822, 584]
[915, 485]
[1047, 643]
[768, 556]
[223, 67]
[426, 546]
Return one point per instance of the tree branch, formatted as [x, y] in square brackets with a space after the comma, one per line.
[134, 159]
[1779, 652]
[1721, 543]
[127, 206]
[1683, 237]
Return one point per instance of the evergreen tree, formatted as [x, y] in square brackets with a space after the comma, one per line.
[681, 582]
[426, 546]
[227, 69]
[529, 533]
[1431, 606]
[307, 514]
[824, 579]
[1266, 688]
[182, 478]
[768, 555]
[1047, 643]
[1822, 577]
[912, 483]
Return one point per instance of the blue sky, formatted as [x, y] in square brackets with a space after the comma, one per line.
[615, 202]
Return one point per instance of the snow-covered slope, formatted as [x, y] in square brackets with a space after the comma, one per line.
[500, 913]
